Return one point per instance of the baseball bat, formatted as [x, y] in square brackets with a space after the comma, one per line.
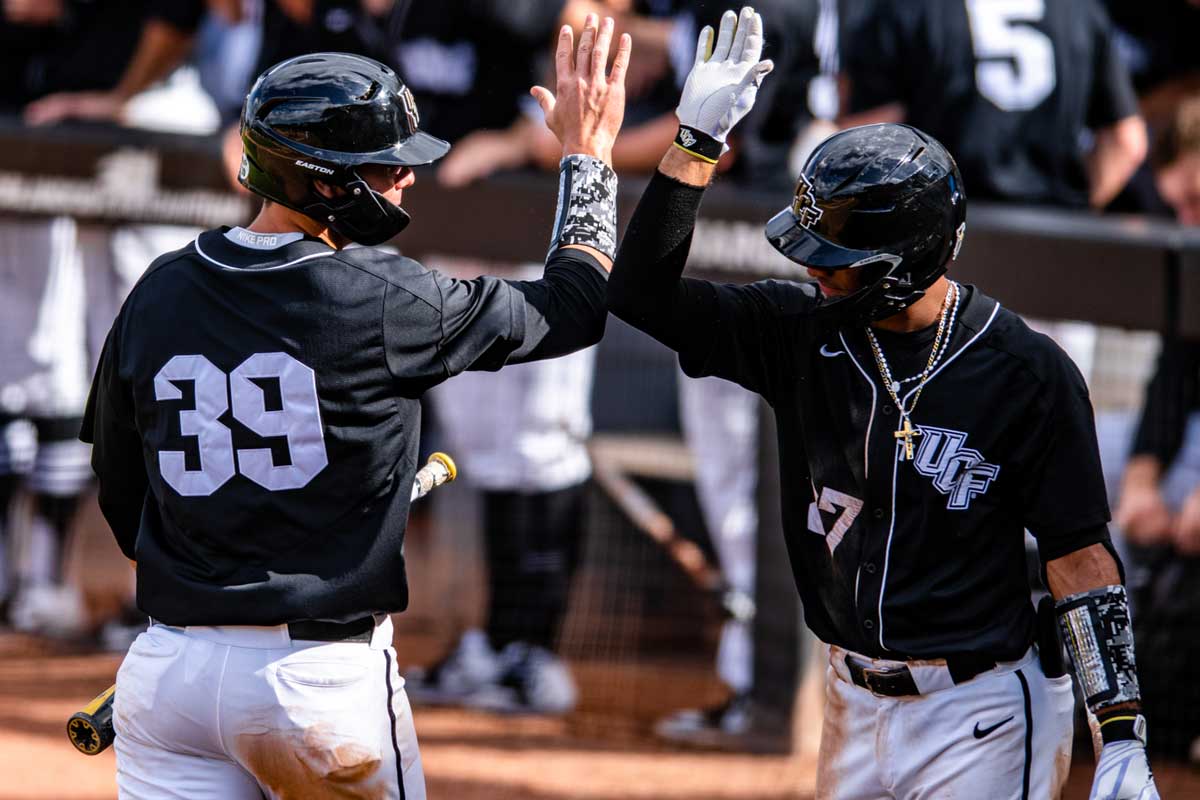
[647, 517]
[91, 728]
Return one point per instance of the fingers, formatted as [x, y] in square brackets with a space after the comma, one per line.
[562, 56]
[704, 45]
[621, 61]
[725, 36]
[545, 99]
[600, 52]
[739, 35]
[752, 49]
[587, 41]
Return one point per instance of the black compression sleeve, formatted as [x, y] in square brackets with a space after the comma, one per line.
[565, 310]
[645, 288]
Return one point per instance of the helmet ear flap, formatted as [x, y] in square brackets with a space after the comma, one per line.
[362, 215]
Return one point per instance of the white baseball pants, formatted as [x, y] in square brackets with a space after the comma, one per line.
[244, 712]
[930, 745]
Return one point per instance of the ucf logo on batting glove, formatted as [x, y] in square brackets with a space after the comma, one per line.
[722, 85]
[1123, 773]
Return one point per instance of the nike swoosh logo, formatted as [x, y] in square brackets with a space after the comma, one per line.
[825, 352]
[982, 732]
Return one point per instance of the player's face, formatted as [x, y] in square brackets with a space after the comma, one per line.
[389, 181]
[835, 282]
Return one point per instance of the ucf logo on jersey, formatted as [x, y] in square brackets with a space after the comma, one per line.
[958, 471]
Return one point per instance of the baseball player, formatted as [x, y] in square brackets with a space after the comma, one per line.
[44, 369]
[922, 429]
[255, 418]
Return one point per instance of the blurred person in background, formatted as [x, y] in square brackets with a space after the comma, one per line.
[1158, 512]
[720, 418]
[525, 449]
[1157, 43]
[1032, 98]
[44, 368]
[49, 46]
[163, 38]
[802, 93]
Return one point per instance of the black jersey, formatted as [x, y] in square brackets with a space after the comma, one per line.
[920, 558]
[255, 416]
[1012, 92]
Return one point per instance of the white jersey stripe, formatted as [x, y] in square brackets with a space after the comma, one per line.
[892, 524]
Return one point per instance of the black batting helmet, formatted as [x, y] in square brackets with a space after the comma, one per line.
[321, 116]
[884, 199]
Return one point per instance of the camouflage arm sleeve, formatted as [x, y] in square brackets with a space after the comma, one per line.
[587, 205]
[1095, 626]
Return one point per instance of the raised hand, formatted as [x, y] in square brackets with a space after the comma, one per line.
[587, 109]
[725, 77]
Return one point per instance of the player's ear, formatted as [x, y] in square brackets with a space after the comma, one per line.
[327, 190]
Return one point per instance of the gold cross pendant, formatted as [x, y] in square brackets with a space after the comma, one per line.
[907, 433]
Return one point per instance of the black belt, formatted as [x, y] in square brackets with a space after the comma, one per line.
[898, 681]
[313, 630]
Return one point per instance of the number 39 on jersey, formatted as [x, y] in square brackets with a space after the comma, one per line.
[241, 392]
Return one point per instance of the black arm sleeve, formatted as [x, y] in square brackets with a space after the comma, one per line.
[1171, 395]
[108, 425]
[645, 288]
[730, 331]
[565, 311]
[1113, 97]
[437, 326]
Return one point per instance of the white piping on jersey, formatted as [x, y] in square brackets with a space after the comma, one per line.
[887, 554]
[959, 352]
[871, 418]
[212, 260]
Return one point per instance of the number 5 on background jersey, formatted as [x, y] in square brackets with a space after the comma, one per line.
[1014, 66]
[299, 419]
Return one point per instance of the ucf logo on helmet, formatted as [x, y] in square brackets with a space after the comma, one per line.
[805, 205]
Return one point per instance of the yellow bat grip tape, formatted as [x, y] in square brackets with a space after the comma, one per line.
[94, 706]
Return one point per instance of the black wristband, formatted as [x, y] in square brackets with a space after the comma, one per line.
[699, 144]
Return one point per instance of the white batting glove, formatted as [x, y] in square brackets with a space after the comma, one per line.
[723, 83]
[1123, 773]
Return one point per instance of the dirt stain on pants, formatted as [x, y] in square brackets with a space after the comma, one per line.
[313, 762]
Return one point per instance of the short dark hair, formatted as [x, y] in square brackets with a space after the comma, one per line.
[1181, 136]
